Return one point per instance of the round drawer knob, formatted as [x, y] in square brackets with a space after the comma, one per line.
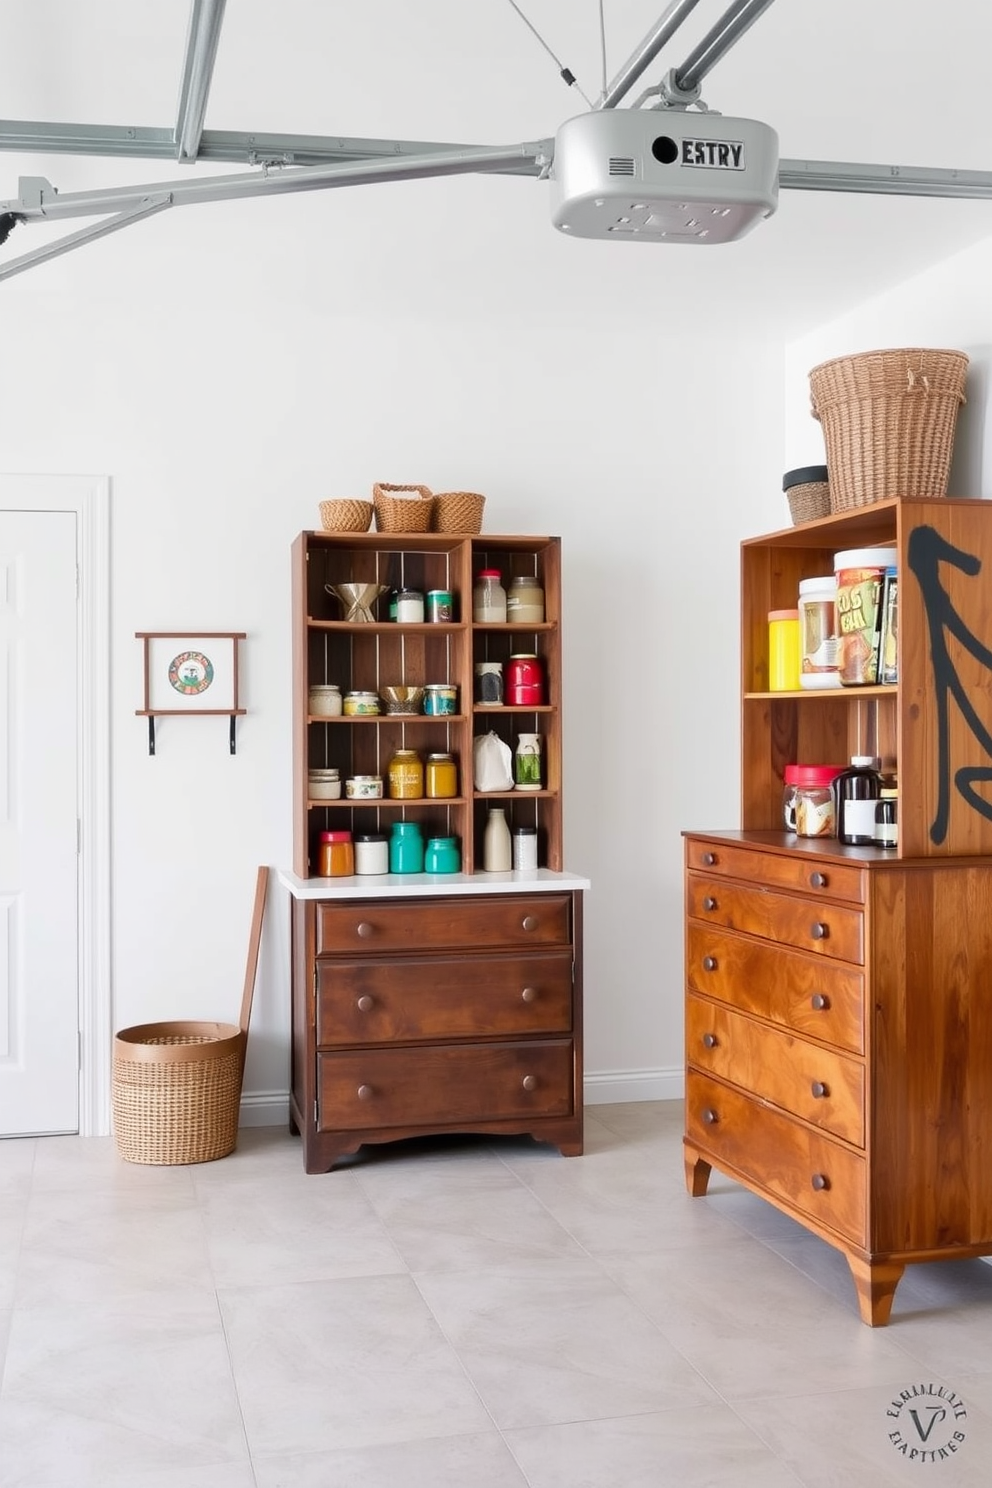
[530, 922]
[709, 859]
[365, 1092]
[709, 963]
[709, 902]
[819, 931]
[818, 880]
[820, 1091]
[364, 929]
[528, 994]
[820, 1182]
[819, 1002]
[709, 1040]
[365, 1002]
[529, 1082]
[710, 1116]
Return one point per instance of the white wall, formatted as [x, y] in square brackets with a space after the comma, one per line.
[228, 381]
[950, 305]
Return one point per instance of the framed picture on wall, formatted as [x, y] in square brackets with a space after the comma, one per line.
[191, 671]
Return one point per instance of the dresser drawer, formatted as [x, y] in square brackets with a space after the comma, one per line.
[777, 1155]
[497, 921]
[782, 870]
[407, 997]
[444, 1085]
[827, 929]
[805, 993]
[824, 1088]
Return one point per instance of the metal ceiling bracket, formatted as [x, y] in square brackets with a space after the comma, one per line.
[147, 208]
[640, 60]
[202, 38]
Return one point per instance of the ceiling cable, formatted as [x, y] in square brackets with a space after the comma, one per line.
[565, 72]
[602, 45]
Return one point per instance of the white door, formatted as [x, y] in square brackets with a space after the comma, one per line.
[39, 810]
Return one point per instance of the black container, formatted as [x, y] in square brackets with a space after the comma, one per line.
[857, 791]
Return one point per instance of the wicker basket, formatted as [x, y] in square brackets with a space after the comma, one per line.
[808, 493]
[457, 511]
[402, 513]
[346, 515]
[177, 1086]
[888, 422]
[177, 1091]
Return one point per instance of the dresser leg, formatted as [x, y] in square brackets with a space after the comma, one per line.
[876, 1286]
[697, 1173]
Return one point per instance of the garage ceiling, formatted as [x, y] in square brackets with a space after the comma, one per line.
[893, 82]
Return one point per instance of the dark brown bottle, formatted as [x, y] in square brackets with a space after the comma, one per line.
[857, 791]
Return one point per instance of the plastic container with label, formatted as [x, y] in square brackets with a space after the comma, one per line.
[818, 633]
[783, 651]
[524, 601]
[488, 598]
[860, 574]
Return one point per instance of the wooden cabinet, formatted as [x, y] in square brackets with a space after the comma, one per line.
[838, 1027]
[327, 648]
[437, 1013]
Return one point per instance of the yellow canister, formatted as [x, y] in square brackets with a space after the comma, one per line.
[784, 651]
[406, 775]
[441, 775]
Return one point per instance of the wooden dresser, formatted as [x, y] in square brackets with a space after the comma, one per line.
[839, 999]
[421, 1009]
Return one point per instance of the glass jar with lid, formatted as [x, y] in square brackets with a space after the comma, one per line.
[815, 809]
[488, 598]
[524, 601]
[406, 775]
[440, 776]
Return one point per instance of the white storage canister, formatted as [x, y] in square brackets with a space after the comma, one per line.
[818, 632]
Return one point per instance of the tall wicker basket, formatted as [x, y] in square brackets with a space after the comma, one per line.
[177, 1086]
[888, 422]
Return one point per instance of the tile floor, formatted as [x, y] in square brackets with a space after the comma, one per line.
[461, 1313]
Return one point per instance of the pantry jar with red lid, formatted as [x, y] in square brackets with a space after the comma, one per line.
[524, 684]
[335, 855]
[815, 808]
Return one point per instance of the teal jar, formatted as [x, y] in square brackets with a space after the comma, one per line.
[442, 855]
[406, 848]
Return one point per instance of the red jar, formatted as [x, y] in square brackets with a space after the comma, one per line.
[524, 683]
[335, 855]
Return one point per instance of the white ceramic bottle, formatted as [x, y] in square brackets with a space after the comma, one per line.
[497, 845]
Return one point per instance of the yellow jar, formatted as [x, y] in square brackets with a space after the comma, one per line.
[441, 775]
[784, 651]
[406, 775]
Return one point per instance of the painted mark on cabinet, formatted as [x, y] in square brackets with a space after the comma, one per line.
[926, 551]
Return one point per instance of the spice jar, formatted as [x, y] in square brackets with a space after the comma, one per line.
[524, 601]
[527, 763]
[886, 818]
[324, 700]
[410, 607]
[335, 855]
[815, 814]
[489, 682]
[406, 775]
[440, 605]
[440, 700]
[488, 598]
[371, 852]
[358, 703]
[525, 680]
[524, 847]
[441, 775]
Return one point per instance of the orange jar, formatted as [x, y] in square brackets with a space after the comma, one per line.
[406, 775]
[441, 775]
[335, 855]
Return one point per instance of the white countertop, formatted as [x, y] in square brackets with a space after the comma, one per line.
[416, 885]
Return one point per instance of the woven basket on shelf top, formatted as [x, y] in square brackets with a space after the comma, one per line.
[807, 491]
[888, 422]
[407, 512]
[346, 515]
[457, 511]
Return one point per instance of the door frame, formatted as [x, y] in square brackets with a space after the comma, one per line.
[88, 496]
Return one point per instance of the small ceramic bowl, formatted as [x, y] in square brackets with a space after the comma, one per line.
[402, 699]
